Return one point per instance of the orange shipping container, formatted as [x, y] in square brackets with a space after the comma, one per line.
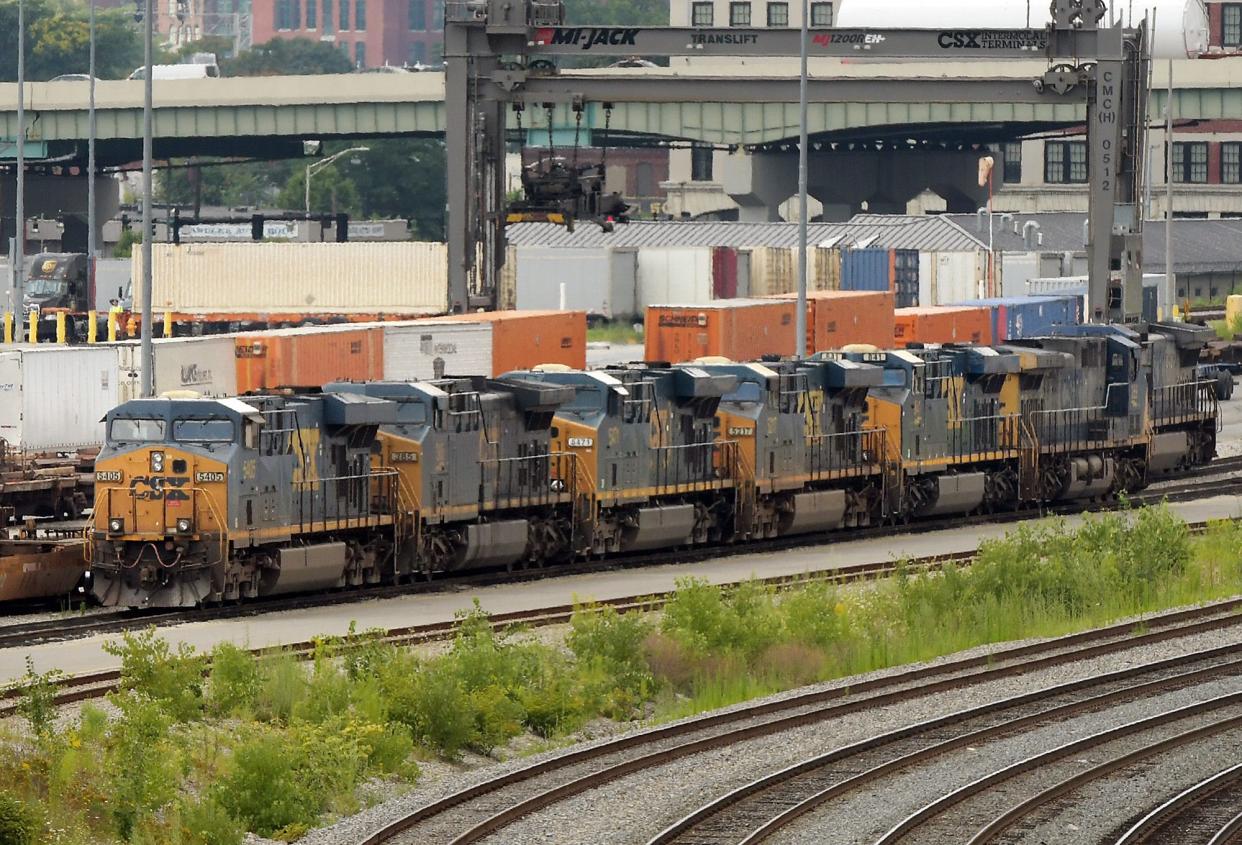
[739, 329]
[308, 357]
[840, 317]
[525, 339]
[942, 324]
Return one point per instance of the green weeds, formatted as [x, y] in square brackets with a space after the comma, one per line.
[198, 749]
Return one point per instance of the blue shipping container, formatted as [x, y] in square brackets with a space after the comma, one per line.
[866, 269]
[1017, 317]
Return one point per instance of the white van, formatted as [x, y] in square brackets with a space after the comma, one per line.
[186, 71]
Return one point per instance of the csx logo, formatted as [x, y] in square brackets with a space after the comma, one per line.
[964, 39]
[154, 488]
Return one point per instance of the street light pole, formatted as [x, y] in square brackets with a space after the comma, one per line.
[19, 239]
[801, 348]
[91, 245]
[316, 166]
[148, 224]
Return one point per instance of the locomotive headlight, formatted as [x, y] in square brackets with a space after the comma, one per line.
[184, 526]
[116, 526]
[157, 462]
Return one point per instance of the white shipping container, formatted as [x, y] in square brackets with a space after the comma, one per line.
[955, 277]
[297, 278]
[205, 365]
[600, 281]
[681, 275]
[412, 348]
[53, 397]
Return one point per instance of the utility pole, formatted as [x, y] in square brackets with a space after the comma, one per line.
[1170, 281]
[801, 348]
[91, 245]
[148, 224]
[19, 239]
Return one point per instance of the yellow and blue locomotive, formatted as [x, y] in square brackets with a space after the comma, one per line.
[203, 500]
[215, 500]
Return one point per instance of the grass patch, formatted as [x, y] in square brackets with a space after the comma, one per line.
[277, 746]
[617, 332]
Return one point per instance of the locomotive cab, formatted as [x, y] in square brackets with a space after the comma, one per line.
[161, 504]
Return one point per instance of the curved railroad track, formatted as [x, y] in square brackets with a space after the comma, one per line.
[1200, 483]
[755, 811]
[1209, 811]
[488, 807]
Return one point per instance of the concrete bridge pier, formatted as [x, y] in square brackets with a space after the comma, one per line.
[60, 198]
[843, 180]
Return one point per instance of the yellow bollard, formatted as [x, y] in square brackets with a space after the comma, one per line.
[62, 334]
[168, 324]
[92, 327]
[8, 326]
[34, 327]
[112, 327]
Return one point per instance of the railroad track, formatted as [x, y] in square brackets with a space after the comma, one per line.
[1201, 482]
[94, 685]
[487, 808]
[1209, 811]
[754, 812]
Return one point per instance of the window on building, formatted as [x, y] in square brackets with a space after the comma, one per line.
[360, 15]
[701, 164]
[1065, 162]
[344, 22]
[360, 51]
[437, 54]
[327, 15]
[739, 14]
[418, 15]
[418, 53]
[437, 15]
[1190, 161]
[821, 14]
[1231, 24]
[344, 45]
[1231, 162]
[312, 16]
[1012, 155]
[702, 14]
[778, 14]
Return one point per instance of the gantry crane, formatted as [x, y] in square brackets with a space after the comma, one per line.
[499, 55]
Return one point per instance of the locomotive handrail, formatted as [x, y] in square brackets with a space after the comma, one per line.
[665, 466]
[369, 517]
[541, 493]
[1003, 432]
[857, 456]
[1083, 417]
[221, 524]
[1187, 399]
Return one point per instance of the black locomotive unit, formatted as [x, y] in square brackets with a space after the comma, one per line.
[215, 500]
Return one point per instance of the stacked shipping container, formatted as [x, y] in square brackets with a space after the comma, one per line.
[739, 329]
[1017, 317]
[942, 324]
[839, 318]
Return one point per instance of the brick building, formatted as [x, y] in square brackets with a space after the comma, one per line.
[372, 33]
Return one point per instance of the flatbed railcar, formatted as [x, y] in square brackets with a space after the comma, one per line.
[216, 500]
